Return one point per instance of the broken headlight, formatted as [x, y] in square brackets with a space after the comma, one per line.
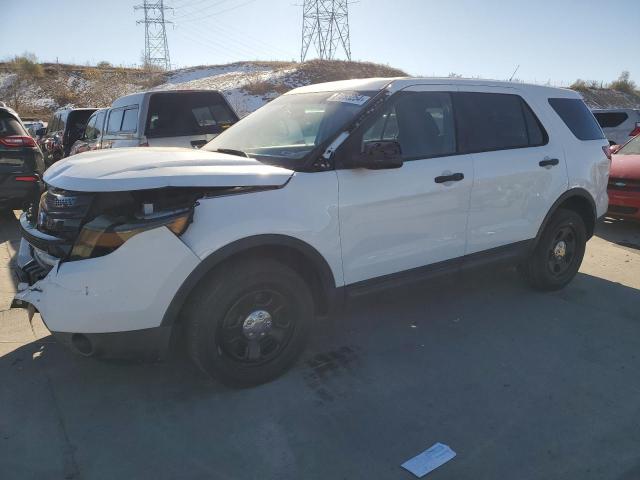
[105, 233]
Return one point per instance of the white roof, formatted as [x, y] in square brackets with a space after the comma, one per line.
[398, 83]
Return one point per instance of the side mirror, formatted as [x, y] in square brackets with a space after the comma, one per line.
[379, 155]
[614, 148]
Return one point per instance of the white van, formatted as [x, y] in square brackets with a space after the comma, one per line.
[175, 118]
[327, 192]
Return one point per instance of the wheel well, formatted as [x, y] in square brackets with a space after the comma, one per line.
[296, 260]
[582, 207]
[309, 266]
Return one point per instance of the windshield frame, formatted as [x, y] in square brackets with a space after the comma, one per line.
[312, 160]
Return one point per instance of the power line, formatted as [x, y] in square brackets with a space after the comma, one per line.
[325, 24]
[156, 48]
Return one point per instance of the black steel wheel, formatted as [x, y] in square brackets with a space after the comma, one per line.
[559, 252]
[249, 321]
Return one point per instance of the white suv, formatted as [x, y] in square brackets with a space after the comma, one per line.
[327, 192]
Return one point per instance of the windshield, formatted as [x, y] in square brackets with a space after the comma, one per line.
[288, 129]
[632, 147]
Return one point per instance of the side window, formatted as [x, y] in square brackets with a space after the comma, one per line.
[90, 132]
[492, 121]
[422, 122]
[610, 119]
[115, 120]
[130, 120]
[62, 120]
[100, 122]
[537, 135]
[575, 114]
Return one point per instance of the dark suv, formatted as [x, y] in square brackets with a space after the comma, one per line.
[21, 162]
[65, 127]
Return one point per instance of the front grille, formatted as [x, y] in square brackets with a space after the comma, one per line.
[61, 212]
[624, 184]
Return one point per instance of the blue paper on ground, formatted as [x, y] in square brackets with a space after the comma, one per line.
[429, 460]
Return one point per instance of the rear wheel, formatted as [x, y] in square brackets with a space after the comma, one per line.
[248, 322]
[559, 253]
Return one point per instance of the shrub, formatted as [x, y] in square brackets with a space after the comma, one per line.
[623, 83]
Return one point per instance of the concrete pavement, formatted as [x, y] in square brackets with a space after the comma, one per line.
[520, 384]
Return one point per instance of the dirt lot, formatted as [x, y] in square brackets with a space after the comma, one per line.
[522, 385]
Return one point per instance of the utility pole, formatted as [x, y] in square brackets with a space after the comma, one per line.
[325, 24]
[156, 48]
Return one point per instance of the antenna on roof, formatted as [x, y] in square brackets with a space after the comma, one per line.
[514, 72]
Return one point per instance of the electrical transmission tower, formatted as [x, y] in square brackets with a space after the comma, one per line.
[156, 48]
[325, 24]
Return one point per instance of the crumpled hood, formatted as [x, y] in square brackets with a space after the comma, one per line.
[144, 168]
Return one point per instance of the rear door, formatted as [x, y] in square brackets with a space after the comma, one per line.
[401, 219]
[519, 167]
[186, 119]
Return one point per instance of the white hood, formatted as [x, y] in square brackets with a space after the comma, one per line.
[144, 168]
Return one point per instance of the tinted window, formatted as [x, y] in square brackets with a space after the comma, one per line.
[10, 126]
[421, 122]
[100, 121]
[610, 119]
[535, 131]
[575, 114]
[187, 113]
[130, 120]
[115, 120]
[494, 121]
[90, 132]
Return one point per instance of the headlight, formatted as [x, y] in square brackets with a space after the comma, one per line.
[106, 233]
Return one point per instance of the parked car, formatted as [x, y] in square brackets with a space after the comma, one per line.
[176, 118]
[619, 124]
[32, 126]
[91, 138]
[624, 180]
[328, 192]
[21, 162]
[64, 128]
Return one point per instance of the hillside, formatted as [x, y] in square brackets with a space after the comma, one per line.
[247, 85]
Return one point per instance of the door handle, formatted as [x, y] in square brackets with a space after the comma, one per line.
[454, 177]
[549, 162]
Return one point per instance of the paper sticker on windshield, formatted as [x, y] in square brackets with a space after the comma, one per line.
[348, 97]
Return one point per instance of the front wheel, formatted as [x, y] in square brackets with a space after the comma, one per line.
[559, 253]
[249, 321]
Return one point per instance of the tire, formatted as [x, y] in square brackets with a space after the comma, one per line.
[559, 253]
[249, 321]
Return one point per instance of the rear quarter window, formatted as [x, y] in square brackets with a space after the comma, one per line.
[575, 114]
[610, 119]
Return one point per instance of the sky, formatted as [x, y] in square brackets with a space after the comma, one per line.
[554, 41]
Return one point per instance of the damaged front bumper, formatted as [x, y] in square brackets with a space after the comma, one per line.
[112, 305]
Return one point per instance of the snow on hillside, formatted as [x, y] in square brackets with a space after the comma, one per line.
[247, 85]
[236, 82]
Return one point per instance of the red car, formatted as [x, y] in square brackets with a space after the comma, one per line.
[624, 180]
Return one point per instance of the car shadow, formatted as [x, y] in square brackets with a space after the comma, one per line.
[623, 232]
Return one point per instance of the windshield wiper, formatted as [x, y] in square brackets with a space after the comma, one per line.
[231, 151]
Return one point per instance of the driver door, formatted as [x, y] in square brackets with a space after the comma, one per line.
[413, 217]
